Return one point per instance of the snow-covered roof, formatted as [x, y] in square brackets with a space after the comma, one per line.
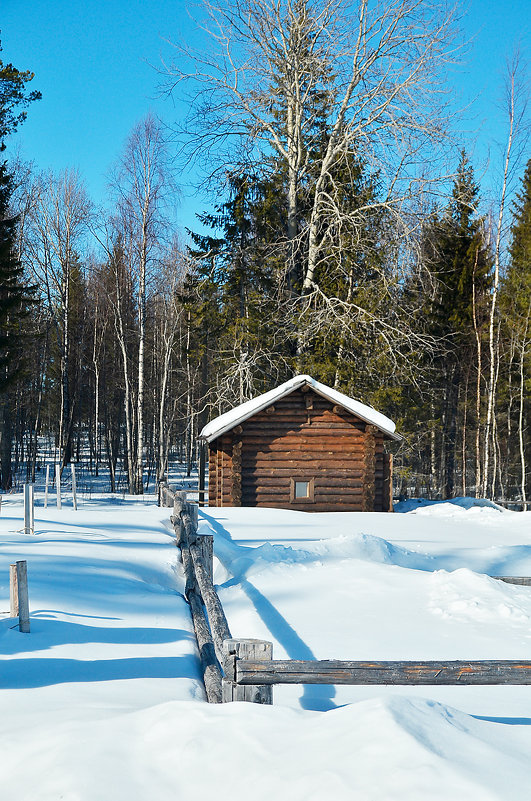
[234, 417]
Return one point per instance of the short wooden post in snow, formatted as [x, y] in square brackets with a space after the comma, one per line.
[58, 484]
[74, 492]
[245, 649]
[193, 509]
[46, 486]
[205, 543]
[202, 460]
[28, 510]
[13, 592]
[32, 508]
[18, 595]
[179, 502]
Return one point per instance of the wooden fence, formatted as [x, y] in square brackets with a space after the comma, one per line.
[244, 670]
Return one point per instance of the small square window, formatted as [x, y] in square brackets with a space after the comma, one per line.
[302, 490]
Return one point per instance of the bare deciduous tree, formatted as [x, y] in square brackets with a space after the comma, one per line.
[143, 183]
[58, 221]
[319, 87]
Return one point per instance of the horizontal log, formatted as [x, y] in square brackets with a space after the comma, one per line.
[316, 447]
[324, 480]
[212, 678]
[260, 489]
[254, 472]
[301, 424]
[337, 493]
[216, 615]
[337, 436]
[338, 672]
[307, 507]
[301, 461]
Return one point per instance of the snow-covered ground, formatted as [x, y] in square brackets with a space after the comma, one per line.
[102, 700]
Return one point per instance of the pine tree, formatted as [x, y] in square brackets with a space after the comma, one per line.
[13, 97]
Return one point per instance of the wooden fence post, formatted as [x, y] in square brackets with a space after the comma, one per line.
[13, 592]
[245, 649]
[205, 544]
[193, 510]
[58, 484]
[46, 486]
[22, 596]
[179, 502]
[74, 488]
[202, 460]
[28, 509]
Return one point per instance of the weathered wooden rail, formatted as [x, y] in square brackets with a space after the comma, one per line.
[293, 671]
[244, 670]
[218, 651]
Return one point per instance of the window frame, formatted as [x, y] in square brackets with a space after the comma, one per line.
[311, 490]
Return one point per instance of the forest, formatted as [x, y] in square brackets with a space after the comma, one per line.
[348, 237]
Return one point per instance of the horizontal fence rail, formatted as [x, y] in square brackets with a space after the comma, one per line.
[331, 671]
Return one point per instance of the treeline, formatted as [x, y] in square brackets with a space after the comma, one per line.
[338, 246]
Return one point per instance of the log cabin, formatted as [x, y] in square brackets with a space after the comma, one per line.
[301, 446]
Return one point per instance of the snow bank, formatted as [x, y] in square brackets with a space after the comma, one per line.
[103, 699]
[445, 507]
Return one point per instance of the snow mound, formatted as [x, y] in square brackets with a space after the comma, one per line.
[470, 596]
[240, 561]
[398, 749]
[425, 506]
[371, 548]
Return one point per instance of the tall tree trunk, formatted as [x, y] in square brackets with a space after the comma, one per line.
[139, 479]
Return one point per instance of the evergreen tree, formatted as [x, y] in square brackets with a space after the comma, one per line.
[515, 302]
[15, 299]
[13, 98]
[14, 295]
[459, 265]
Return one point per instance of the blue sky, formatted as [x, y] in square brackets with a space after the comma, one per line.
[94, 62]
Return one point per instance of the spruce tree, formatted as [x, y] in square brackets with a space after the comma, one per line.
[15, 300]
[459, 263]
[15, 296]
[515, 302]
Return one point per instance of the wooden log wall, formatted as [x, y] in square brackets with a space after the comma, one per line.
[302, 437]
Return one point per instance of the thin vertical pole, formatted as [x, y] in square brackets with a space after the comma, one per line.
[46, 486]
[58, 484]
[32, 507]
[13, 591]
[74, 493]
[27, 509]
[202, 459]
[23, 602]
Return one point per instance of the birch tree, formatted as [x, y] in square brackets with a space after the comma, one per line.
[516, 96]
[317, 88]
[143, 183]
[57, 226]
